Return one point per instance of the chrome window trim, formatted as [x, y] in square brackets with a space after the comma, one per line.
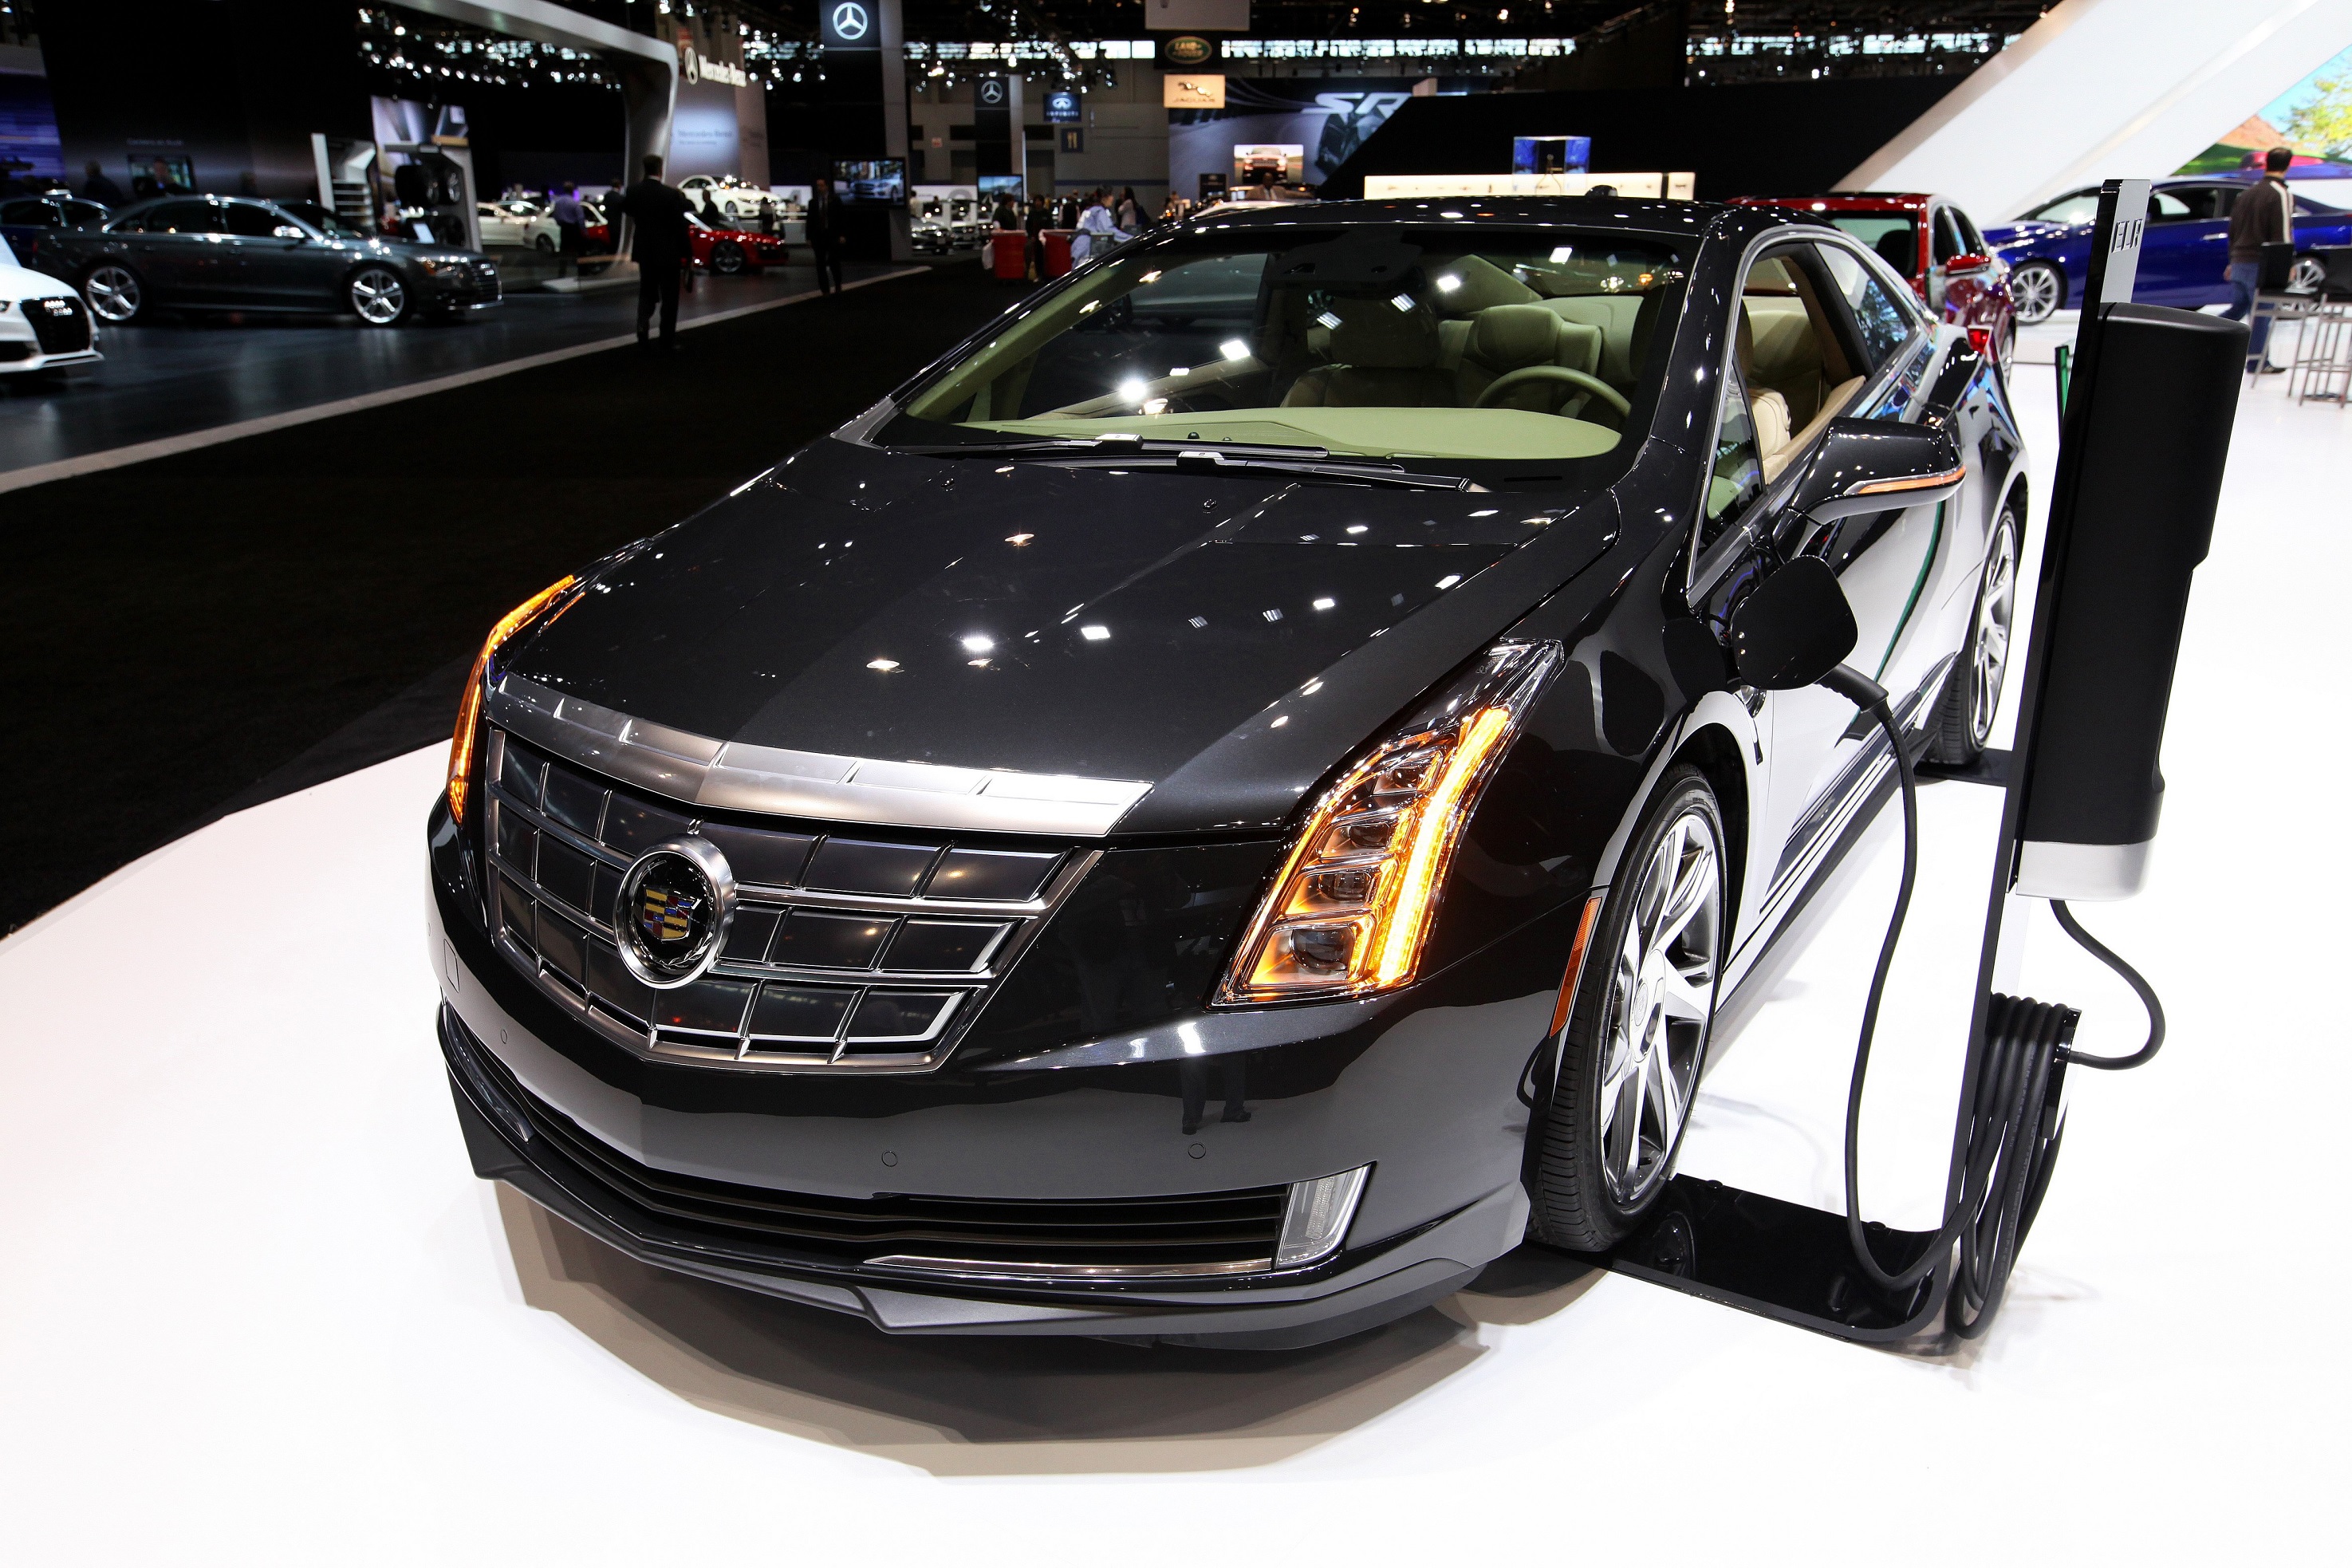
[732, 775]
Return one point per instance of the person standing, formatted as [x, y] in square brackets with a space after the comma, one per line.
[1097, 230]
[1128, 214]
[98, 188]
[657, 244]
[2263, 215]
[571, 226]
[825, 235]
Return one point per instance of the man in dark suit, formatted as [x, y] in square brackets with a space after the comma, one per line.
[657, 244]
[825, 236]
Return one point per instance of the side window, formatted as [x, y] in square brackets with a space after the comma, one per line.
[29, 214]
[1737, 476]
[2164, 206]
[1883, 322]
[1971, 242]
[2080, 207]
[251, 222]
[1948, 238]
[181, 217]
[84, 215]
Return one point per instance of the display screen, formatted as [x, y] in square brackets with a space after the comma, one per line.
[1550, 154]
[871, 182]
[1012, 185]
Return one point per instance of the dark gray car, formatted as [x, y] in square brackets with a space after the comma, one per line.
[239, 253]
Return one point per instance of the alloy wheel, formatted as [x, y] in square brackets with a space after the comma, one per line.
[113, 293]
[378, 295]
[1988, 649]
[2307, 274]
[2035, 289]
[1660, 1000]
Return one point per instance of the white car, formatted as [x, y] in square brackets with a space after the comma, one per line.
[44, 324]
[517, 227]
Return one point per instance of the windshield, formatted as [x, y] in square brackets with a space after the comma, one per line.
[322, 220]
[1443, 344]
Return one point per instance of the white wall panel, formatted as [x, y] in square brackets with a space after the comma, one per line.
[2106, 87]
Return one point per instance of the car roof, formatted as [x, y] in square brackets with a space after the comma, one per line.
[1634, 214]
[1849, 201]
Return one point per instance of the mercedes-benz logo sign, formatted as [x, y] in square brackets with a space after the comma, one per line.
[991, 90]
[672, 911]
[849, 20]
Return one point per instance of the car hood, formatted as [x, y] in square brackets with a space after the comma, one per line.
[24, 283]
[1224, 639]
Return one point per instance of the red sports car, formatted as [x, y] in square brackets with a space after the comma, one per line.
[725, 251]
[1932, 243]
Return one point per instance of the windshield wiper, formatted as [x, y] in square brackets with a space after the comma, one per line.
[1226, 458]
[1306, 461]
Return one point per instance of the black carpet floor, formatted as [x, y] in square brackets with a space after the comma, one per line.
[199, 632]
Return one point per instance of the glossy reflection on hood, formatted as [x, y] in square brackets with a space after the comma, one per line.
[1031, 616]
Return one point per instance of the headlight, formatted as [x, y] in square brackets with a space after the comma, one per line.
[469, 705]
[1351, 910]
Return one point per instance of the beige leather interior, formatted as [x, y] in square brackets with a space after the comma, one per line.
[1786, 366]
[1486, 324]
[1381, 358]
[1505, 338]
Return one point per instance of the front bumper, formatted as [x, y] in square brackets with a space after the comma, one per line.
[23, 349]
[1421, 1088]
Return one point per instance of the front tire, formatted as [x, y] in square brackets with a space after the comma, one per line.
[546, 246]
[378, 295]
[2307, 274]
[114, 293]
[1637, 1036]
[2038, 291]
[726, 259]
[1972, 691]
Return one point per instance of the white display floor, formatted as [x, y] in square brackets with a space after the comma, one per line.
[255, 1307]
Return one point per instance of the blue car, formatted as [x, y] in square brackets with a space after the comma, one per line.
[2182, 261]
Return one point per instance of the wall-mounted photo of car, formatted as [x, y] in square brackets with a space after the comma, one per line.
[1935, 247]
[733, 197]
[237, 253]
[2182, 260]
[45, 327]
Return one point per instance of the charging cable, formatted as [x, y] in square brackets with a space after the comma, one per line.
[2015, 1119]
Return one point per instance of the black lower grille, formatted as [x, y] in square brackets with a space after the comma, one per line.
[1192, 1229]
[62, 326]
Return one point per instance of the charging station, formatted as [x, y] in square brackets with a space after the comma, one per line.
[2147, 423]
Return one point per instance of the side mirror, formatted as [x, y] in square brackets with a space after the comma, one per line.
[1872, 464]
[1793, 628]
[1971, 263]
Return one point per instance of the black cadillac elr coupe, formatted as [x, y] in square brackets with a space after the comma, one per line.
[1223, 805]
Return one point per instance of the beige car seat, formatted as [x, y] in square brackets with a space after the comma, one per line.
[1505, 338]
[1787, 369]
[1381, 358]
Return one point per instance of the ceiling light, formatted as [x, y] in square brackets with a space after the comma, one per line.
[1234, 348]
[1094, 634]
[885, 664]
[979, 644]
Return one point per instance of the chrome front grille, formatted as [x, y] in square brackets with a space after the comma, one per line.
[848, 951]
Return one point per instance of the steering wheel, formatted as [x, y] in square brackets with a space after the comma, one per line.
[1527, 372]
